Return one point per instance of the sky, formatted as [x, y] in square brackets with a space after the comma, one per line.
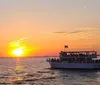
[50, 24]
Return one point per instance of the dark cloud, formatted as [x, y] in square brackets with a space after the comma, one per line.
[75, 32]
[78, 30]
[72, 32]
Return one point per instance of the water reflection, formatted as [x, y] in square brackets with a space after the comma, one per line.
[18, 66]
[79, 77]
[33, 71]
[18, 70]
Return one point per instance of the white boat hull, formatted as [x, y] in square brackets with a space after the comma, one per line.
[65, 65]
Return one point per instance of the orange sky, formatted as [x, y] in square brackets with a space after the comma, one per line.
[49, 25]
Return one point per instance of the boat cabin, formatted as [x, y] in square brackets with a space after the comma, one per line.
[78, 54]
[77, 57]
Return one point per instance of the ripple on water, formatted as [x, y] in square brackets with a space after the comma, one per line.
[34, 71]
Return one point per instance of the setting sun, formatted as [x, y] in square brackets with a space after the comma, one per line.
[18, 52]
[19, 49]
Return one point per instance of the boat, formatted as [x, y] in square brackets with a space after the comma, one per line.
[75, 60]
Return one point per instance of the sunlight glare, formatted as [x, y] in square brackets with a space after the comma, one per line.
[18, 52]
[19, 48]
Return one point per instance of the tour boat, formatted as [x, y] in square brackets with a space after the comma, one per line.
[75, 60]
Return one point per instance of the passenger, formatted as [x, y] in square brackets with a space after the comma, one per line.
[52, 59]
[57, 60]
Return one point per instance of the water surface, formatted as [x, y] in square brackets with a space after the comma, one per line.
[36, 71]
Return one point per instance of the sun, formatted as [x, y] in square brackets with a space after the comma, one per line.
[19, 49]
[18, 52]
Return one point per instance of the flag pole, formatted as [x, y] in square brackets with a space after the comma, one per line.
[65, 48]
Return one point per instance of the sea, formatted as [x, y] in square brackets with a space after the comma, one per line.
[36, 71]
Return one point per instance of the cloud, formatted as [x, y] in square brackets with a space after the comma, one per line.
[75, 32]
[72, 32]
[60, 32]
[78, 30]
[88, 29]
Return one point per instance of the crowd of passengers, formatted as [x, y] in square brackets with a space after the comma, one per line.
[79, 60]
[76, 55]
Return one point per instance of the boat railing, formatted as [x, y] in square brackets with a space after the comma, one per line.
[80, 55]
[91, 54]
[73, 61]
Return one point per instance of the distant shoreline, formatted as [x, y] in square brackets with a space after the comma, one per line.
[31, 57]
[34, 57]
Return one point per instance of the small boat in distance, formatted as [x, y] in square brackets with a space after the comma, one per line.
[75, 60]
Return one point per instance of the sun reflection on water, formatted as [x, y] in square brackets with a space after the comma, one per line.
[18, 72]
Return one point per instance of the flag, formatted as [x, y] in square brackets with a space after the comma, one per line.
[66, 46]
